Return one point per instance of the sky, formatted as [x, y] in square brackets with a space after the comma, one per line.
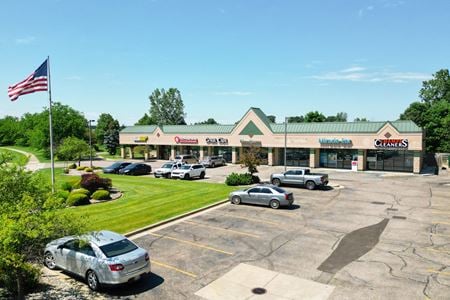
[365, 58]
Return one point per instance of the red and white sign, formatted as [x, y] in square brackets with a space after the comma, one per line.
[180, 140]
[391, 143]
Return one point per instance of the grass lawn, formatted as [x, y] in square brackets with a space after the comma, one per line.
[38, 153]
[17, 158]
[146, 200]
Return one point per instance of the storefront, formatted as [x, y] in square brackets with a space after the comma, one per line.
[384, 146]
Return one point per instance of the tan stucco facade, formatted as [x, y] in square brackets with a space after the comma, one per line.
[275, 142]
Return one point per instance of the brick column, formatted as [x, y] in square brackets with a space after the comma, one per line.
[362, 157]
[202, 152]
[417, 164]
[314, 155]
[172, 152]
[122, 151]
[130, 149]
[233, 155]
[270, 156]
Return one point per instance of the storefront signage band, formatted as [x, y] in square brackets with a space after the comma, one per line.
[335, 141]
[222, 141]
[180, 140]
[391, 143]
[141, 139]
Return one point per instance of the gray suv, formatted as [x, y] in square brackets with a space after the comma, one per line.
[186, 159]
[213, 161]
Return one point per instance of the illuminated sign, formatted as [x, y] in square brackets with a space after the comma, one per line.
[141, 139]
[180, 140]
[335, 141]
[221, 141]
[391, 143]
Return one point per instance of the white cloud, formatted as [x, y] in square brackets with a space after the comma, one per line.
[234, 93]
[25, 40]
[364, 75]
[365, 10]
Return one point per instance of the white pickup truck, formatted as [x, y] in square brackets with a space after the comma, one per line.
[299, 177]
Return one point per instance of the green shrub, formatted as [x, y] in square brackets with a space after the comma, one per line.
[239, 179]
[80, 168]
[93, 182]
[66, 186]
[81, 191]
[63, 194]
[76, 184]
[72, 166]
[66, 170]
[101, 195]
[31, 274]
[76, 199]
[57, 200]
[87, 169]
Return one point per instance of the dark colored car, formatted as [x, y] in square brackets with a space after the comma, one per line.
[136, 169]
[115, 167]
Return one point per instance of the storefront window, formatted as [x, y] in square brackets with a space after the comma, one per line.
[225, 152]
[337, 158]
[296, 157]
[390, 160]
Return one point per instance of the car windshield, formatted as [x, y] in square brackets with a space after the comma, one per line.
[177, 157]
[115, 165]
[185, 167]
[279, 190]
[118, 248]
[167, 166]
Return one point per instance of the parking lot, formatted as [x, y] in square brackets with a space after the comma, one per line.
[369, 236]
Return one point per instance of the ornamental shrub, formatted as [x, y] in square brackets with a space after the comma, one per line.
[101, 195]
[81, 191]
[239, 179]
[93, 182]
[72, 166]
[88, 170]
[77, 199]
[80, 168]
[65, 186]
[66, 170]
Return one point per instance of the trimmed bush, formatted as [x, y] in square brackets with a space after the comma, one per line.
[101, 195]
[72, 166]
[93, 182]
[81, 191]
[66, 170]
[80, 168]
[239, 179]
[88, 170]
[77, 199]
[76, 184]
[65, 186]
[63, 194]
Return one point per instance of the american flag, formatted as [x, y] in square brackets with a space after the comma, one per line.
[36, 82]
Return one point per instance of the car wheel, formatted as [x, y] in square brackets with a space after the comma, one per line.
[156, 176]
[310, 185]
[213, 165]
[168, 175]
[236, 200]
[92, 280]
[187, 177]
[49, 261]
[276, 182]
[274, 204]
[202, 175]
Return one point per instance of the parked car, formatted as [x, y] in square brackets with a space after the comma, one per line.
[115, 167]
[300, 177]
[102, 258]
[189, 171]
[213, 161]
[264, 194]
[136, 169]
[186, 158]
[166, 169]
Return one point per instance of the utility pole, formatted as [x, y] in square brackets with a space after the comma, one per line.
[285, 141]
[90, 143]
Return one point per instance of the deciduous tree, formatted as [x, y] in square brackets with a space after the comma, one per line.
[72, 148]
[105, 122]
[166, 107]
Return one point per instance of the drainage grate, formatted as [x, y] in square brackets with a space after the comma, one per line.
[378, 202]
[399, 217]
[259, 291]
[392, 209]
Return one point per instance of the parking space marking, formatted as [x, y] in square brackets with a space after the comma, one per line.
[440, 234]
[441, 212]
[224, 229]
[172, 268]
[251, 219]
[438, 272]
[276, 212]
[191, 243]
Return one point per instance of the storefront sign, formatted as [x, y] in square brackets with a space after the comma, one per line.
[221, 141]
[180, 140]
[391, 143]
[335, 141]
[248, 143]
[141, 139]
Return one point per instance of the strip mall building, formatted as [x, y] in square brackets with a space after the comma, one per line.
[384, 146]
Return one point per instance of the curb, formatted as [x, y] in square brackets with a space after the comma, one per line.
[142, 229]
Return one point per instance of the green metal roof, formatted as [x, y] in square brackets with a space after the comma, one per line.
[261, 115]
[344, 127]
[204, 128]
[139, 129]
[251, 129]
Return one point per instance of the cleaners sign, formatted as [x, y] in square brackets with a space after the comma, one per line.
[391, 143]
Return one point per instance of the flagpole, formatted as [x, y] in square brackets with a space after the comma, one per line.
[50, 124]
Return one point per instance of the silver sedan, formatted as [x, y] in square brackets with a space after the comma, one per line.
[101, 257]
[270, 195]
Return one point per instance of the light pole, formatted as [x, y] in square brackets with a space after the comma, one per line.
[90, 143]
[285, 141]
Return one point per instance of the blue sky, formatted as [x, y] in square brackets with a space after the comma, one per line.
[366, 58]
